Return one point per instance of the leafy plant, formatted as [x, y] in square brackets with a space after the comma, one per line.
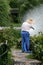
[4, 12]
[11, 36]
[37, 46]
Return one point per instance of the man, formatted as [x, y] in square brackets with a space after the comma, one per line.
[26, 26]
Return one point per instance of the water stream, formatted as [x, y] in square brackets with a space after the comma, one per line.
[37, 15]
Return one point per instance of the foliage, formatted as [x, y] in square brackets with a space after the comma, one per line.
[37, 46]
[11, 36]
[18, 43]
[3, 54]
[5, 59]
[23, 5]
[10, 61]
[14, 38]
[30, 56]
[4, 12]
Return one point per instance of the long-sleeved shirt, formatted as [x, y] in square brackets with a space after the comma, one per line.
[26, 26]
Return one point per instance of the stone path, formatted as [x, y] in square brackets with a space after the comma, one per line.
[21, 57]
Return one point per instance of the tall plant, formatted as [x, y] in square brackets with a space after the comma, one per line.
[4, 12]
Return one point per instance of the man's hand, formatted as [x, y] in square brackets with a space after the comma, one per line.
[32, 27]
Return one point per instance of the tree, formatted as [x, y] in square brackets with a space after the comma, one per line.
[23, 5]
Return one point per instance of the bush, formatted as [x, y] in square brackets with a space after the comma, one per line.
[37, 46]
[11, 36]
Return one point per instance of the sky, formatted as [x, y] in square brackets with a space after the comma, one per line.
[37, 15]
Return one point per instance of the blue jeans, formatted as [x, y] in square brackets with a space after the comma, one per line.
[25, 41]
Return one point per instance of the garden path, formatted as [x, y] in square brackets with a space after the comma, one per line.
[21, 59]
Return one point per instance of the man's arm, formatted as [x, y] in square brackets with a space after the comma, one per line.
[32, 27]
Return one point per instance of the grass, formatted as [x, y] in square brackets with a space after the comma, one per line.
[30, 56]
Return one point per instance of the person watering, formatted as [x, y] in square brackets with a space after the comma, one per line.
[25, 27]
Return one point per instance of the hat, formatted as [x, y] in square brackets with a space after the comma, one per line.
[30, 21]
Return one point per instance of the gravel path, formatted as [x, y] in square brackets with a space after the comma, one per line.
[21, 57]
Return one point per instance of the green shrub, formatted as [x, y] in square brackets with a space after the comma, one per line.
[37, 46]
[11, 36]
